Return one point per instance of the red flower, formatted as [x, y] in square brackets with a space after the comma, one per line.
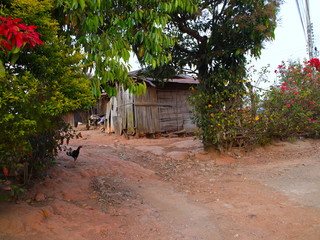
[292, 101]
[284, 84]
[288, 105]
[14, 34]
[305, 69]
[283, 88]
[314, 62]
[311, 103]
[280, 66]
[5, 171]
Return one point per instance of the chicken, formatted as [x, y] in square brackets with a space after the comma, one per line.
[74, 153]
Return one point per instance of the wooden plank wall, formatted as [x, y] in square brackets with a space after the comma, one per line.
[102, 105]
[169, 115]
[111, 115]
[177, 116]
[125, 116]
[128, 124]
[69, 118]
[162, 109]
[146, 112]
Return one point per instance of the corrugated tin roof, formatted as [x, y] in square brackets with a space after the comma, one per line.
[184, 80]
[180, 78]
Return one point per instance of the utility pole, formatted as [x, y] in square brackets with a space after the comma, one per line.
[304, 12]
[311, 49]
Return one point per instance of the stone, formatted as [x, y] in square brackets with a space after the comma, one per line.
[40, 197]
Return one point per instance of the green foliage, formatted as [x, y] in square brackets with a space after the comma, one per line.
[221, 34]
[230, 118]
[291, 109]
[109, 30]
[214, 43]
[13, 191]
[36, 91]
[223, 113]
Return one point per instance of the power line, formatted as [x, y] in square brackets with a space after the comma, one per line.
[304, 13]
[302, 18]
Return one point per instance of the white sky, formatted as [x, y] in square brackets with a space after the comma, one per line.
[290, 42]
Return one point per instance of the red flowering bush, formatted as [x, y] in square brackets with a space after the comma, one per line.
[292, 108]
[315, 62]
[236, 115]
[15, 35]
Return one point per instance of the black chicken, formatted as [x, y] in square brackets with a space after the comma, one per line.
[74, 153]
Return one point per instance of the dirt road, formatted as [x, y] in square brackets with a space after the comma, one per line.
[169, 188]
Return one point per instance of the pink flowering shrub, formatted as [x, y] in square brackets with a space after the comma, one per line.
[236, 115]
[292, 108]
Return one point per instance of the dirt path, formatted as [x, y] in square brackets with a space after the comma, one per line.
[193, 221]
[169, 188]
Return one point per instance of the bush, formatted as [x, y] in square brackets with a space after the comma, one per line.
[37, 86]
[223, 112]
[230, 113]
[292, 107]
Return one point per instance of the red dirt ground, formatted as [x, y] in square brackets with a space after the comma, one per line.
[170, 188]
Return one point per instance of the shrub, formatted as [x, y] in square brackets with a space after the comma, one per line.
[37, 86]
[223, 112]
[230, 113]
[292, 107]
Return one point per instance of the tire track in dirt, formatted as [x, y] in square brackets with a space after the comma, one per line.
[189, 220]
[193, 221]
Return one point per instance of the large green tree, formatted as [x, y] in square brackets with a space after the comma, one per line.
[222, 34]
[214, 43]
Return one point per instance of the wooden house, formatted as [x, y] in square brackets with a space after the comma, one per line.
[75, 117]
[162, 109]
[82, 116]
